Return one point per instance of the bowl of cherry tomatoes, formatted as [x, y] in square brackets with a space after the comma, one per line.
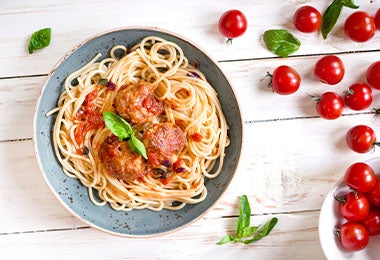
[349, 221]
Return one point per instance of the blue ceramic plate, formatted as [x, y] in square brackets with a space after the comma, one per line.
[73, 194]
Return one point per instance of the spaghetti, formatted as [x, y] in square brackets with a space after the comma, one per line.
[189, 102]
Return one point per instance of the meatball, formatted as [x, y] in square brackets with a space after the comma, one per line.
[137, 104]
[119, 161]
[163, 143]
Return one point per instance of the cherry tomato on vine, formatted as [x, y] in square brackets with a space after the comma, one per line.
[232, 24]
[329, 69]
[353, 236]
[353, 206]
[361, 138]
[373, 75]
[358, 96]
[360, 177]
[374, 194]
[377, 19]
[329, 105]
[360, 26]
[285, 80]
[372, 222]
[307, 19]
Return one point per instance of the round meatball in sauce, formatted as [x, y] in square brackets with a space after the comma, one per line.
[119, 161]
[137, 104]
[163, 143]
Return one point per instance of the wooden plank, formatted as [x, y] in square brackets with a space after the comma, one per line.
[198, 22]
[294, 237]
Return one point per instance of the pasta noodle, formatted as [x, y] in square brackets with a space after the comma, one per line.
[189, 102]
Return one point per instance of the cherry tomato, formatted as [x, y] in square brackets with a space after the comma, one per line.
[360, 177]
[285, 80]
[358, 96]
[329, 69]
[353, 236]
[374, 194]
[361, 138]
[232, 24]
[377, 19]
[330, 105]
[373, 75]
[307, 19]
[353, 206]
[372, 222]
[360, 26]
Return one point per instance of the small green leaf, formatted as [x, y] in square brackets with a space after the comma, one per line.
[244, 216]
[281, 42]
[227, 239]
[117, 125]
[350, 4]
[262, 231]
[137, 146]
[39, 39]
[103, 82]
[330, 17]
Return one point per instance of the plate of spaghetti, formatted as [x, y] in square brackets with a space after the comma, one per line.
[137, 131]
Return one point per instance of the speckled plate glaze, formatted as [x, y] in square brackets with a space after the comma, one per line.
[74, 195]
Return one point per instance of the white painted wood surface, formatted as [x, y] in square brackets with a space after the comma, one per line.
[291, 158]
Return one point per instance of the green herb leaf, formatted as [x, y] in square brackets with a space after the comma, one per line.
[350, 4]
[332, 13]
[103, 82]
[137, 146]
[227, 239]
[249, 231]
[281, 42]
[39, 39]
[117, 125]
[262, 231]
[244, 216]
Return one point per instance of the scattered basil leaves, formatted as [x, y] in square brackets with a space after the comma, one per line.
[244, 232]
[332, 13]
[39, 39]
[281, 42]
[123, 130]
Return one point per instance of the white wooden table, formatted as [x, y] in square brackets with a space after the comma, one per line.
[291, 158]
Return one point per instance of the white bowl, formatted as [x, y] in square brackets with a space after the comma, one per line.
[330, 218]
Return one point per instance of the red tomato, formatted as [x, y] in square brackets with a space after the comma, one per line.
[232, 24]
[373, 75]
[353, 206]
[329, 69]
[307, 19]
[360, 26]
[353, 236]
[360, 177]
[372, 222]
[374, 194]
[358, 96]
[361, 138]
[330, 105]
[377, 19]
[285, 80]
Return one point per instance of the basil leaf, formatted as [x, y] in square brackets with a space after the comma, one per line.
[137, 146]
[350, 4]
[332, 13]
[262, 231]
[281, 42]
[39, 39]
[117, 125]
[244, 216]
[227, 239]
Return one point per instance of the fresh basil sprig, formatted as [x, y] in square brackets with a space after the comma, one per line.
[244, 232]
[332, 13]
[123, 130]
[281, 42]
[39, 39]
